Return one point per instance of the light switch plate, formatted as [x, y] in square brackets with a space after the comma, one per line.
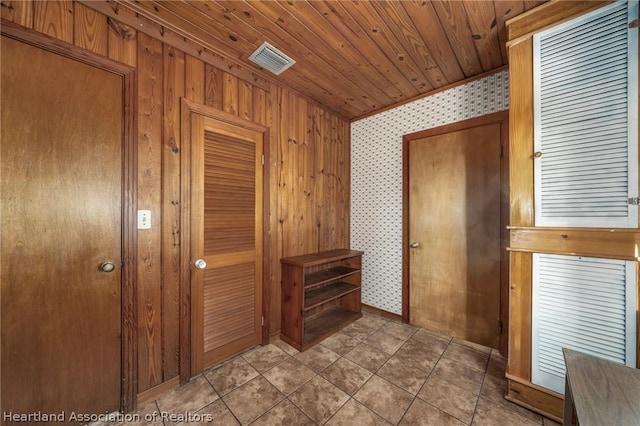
[144, 219]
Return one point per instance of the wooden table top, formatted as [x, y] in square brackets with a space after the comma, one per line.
[604, 392]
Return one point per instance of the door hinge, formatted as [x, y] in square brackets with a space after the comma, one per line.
[499, 327]
[263, 159]
[262, 320]
[634, 201]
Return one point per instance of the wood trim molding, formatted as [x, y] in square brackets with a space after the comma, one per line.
[519, 362]
[185, 244]
[223, 116]
[521, 133]
[154, 27]
[144, 21]
[433, 92]
[266, 238]
[381, 312]
[595, 242]
[501, 118]
[547, 15]
[532, 397]
[43, 41]
[129, 353]
[158, 391]
[130, 244]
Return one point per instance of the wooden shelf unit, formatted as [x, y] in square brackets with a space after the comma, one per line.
[320, 295]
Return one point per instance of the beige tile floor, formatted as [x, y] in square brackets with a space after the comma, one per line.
[373, 372]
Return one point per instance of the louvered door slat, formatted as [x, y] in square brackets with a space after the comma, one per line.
[585, 110]
[229, 194]
[582, 303]
[595, 28]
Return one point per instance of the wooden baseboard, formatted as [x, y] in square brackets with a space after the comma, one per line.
[535, 398]
[274, 335]
[156, 392]
[380, 312]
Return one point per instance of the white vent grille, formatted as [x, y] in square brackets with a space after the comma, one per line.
[582, 303]
[270, 58]
[586, 115]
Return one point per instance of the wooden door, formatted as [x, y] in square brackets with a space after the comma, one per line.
[226, 233]
[454, 219]
[61, 209]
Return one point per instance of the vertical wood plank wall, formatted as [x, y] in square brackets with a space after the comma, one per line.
[309, 152]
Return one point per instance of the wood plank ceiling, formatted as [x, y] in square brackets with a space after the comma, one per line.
[352, 57]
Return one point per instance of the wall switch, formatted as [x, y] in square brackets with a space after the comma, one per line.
[144, 219]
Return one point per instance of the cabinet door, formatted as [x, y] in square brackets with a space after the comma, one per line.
[585, 117]
[582, 303]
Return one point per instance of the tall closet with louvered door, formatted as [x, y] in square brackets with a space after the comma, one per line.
[574, 190]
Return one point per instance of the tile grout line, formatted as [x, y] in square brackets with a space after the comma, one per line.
[425, 383]
[484, 376]
[218, 393]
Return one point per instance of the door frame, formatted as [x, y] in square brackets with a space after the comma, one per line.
[129, 378]
[187, 109]
[501, 118]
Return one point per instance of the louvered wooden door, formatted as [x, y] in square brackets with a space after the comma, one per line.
[585, 172]
[582, 303]
[226, 232]
[586, 151]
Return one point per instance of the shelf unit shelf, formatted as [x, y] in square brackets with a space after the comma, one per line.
[320, 295]
[327, 293]
[321, 277]
[327, 323]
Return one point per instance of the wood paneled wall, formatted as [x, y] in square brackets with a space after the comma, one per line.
[309, 156]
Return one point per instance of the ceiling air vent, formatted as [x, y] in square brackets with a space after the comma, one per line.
[270, 58]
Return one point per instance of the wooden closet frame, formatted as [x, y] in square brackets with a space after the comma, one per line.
[525, 237]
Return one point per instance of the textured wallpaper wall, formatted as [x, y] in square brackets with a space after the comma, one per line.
[376, 177]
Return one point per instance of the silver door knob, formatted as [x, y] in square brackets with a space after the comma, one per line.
[200, 264]
[415, 245]
[107, 266]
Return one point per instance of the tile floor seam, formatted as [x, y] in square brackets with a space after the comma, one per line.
[229, 408]
[302, 411]
[475, 406]
[338, 410]
[313, 420]
[464, 422]
[442, 355]
[407, 410]
[268, 409]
